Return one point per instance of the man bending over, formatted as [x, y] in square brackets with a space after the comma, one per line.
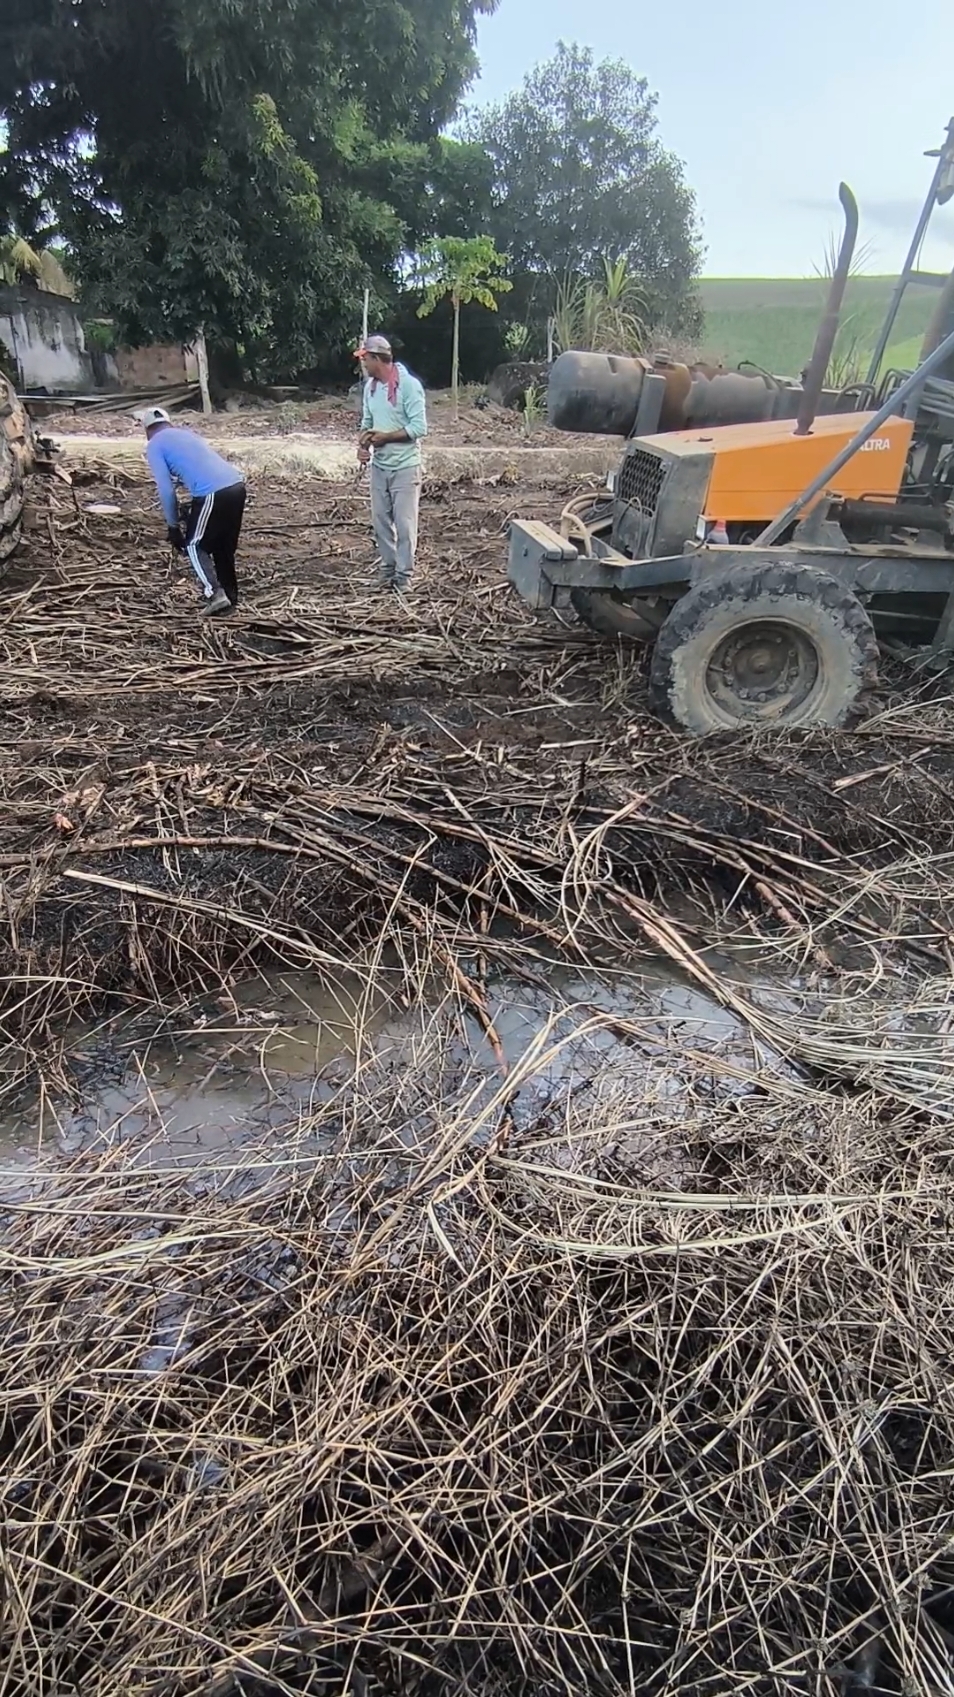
[214, 522]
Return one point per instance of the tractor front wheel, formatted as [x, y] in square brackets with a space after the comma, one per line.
[776, 644]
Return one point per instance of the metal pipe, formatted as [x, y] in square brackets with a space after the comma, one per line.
[891, 408]
[945, 160]
[903, 515]
[814, 380]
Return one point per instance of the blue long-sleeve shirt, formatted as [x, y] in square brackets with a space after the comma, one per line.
[179, 456]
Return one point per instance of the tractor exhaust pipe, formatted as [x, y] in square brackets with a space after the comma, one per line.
[814, 381]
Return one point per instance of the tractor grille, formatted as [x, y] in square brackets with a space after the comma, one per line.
[639, 480]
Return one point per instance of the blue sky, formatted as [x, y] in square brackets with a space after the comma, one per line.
[770, 103]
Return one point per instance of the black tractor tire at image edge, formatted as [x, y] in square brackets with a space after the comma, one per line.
[784, 625]
[15, 461]
[11, 518]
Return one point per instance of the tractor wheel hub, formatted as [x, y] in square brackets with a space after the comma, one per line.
[764, 664]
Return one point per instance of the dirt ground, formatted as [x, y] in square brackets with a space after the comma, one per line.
[331, 417]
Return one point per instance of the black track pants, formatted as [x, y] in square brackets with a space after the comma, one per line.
[212, 536]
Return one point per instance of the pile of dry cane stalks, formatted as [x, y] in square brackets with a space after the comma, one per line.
[419, 1393]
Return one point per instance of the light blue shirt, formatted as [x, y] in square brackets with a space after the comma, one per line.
[180, 456]
[408, 413]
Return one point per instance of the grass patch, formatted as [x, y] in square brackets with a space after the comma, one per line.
[772, 320]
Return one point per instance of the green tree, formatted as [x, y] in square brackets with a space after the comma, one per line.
[580, 172]
[463, 269]
[443, 190]
[230, 165]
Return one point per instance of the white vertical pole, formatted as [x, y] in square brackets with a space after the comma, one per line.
[365, 315]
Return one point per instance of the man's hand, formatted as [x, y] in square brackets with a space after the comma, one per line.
[364, 440]
[176, 538]
[364, 454]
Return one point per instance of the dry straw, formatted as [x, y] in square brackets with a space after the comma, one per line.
[647, 1388]
[431, 1413]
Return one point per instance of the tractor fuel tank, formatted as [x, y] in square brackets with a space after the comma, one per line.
[593, 394]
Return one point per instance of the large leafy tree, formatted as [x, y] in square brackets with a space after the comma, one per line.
[580, 173]
[245, 168]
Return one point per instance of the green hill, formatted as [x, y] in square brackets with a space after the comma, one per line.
[772, 320]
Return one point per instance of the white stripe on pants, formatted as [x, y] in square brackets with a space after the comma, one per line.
[192, 549]
[395, 508]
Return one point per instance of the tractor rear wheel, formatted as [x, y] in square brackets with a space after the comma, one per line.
[776, 644]
[610, 613]
[16, 452]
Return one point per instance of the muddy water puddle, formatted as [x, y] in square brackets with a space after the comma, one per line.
[284, 1046]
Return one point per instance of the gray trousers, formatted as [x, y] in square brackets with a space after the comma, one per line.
[395, 505]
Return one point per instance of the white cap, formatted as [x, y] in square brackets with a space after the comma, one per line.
[153, 415]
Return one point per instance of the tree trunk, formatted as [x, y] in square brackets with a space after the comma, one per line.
[455, 362]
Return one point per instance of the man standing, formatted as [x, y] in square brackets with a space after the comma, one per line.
[393, 423]
[214, 522]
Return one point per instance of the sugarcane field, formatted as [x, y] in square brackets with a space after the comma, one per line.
[476, 1161]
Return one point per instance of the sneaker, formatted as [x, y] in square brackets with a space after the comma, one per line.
[219, 603]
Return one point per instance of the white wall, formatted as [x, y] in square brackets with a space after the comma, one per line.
[44, 338]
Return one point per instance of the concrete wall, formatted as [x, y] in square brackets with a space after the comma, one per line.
[44, 339]
[156, 367]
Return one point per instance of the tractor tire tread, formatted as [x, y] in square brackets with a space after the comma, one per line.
[845, 624]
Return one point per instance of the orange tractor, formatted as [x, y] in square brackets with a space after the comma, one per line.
[762, 559]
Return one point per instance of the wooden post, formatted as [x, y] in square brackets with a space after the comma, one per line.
[455, 361]
[202, 360]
